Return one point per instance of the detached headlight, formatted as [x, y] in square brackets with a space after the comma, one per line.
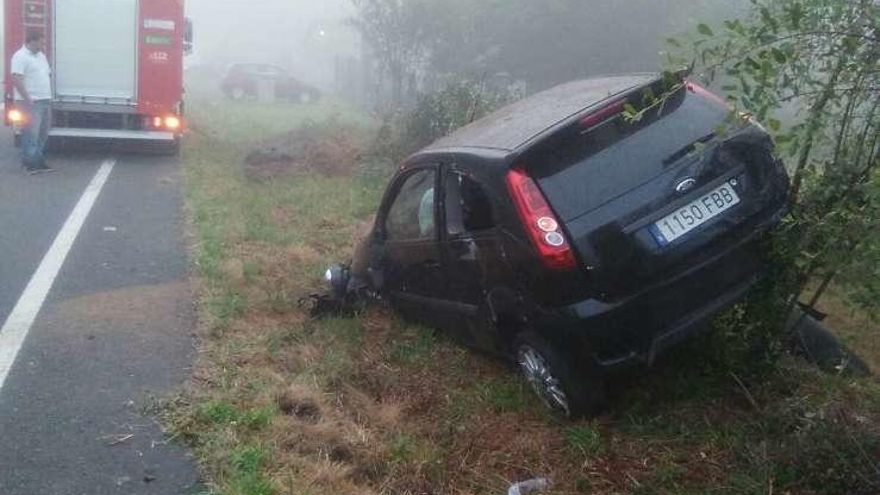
[337, 277]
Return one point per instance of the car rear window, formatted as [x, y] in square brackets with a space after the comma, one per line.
[580, 172]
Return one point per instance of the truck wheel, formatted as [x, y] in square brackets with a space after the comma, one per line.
[173, 149]
[569, 390]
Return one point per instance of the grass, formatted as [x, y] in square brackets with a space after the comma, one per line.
[584, 440]
[280, 404]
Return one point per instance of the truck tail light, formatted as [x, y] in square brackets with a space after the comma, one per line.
[540, 222]
[168, 123]
[15, 116]
[172, 123]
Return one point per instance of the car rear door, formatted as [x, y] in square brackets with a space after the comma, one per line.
[642, 202]
[411, 260]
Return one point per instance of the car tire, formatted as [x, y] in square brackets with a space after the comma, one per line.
[569, 390]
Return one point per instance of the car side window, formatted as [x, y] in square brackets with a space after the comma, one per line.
[468, 208]
[411, 215]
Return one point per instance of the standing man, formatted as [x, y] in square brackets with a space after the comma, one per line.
[31, 76]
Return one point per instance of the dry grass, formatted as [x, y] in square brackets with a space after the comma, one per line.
[329, 148]
[280, 404]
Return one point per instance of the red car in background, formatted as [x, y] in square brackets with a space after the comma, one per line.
[243, 81]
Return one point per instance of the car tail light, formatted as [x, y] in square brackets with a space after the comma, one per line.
[603, 114]
[15, 116]
[540, 222]
[157, 122]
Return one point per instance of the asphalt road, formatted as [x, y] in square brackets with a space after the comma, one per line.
[113, 332]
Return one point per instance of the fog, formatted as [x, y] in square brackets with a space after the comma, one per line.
[303, 36]
[309, 38]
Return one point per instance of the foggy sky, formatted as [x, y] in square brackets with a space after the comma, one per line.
[306, 35]
[301, 35]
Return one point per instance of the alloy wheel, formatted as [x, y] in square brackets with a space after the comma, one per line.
[540, 376]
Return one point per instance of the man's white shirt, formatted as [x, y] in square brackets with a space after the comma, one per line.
[34, 69]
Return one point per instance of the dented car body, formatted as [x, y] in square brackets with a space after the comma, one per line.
[575, 241]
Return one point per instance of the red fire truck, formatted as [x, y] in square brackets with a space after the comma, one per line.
[117, 66]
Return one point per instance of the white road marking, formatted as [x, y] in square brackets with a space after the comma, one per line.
[20, 320]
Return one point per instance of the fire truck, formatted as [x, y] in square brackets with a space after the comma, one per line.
[117, 66]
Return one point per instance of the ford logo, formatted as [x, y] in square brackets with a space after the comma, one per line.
[686, 185]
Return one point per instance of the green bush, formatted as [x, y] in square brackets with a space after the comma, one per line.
[434, 115]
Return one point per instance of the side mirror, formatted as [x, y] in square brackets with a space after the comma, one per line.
[188, 36]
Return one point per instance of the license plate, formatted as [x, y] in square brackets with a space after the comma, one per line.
[691, 216]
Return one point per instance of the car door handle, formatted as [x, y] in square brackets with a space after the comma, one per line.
[432, 264]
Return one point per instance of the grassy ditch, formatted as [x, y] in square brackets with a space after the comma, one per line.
[280, 404]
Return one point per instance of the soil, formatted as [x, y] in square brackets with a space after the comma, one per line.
[331, 149]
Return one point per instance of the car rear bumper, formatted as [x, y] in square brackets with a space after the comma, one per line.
[635, 330]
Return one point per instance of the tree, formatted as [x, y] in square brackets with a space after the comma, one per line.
[809, 70]
[542, 43]
[395, 30]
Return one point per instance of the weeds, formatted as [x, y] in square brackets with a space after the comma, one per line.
[372, 405]
[507, 394]
[247, 479]
[416, 344]
[585, 440]
[227, 306]
[218, 413]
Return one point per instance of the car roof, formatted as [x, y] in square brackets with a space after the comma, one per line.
[517, 124]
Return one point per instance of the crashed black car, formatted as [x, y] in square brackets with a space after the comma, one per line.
[560, 234]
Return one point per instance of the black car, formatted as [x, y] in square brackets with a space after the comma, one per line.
[243, 81]
[576, 241]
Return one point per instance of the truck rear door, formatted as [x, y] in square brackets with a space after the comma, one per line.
[96, 51]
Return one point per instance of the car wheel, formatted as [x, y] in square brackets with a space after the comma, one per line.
[238, 94]
[570, 391]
